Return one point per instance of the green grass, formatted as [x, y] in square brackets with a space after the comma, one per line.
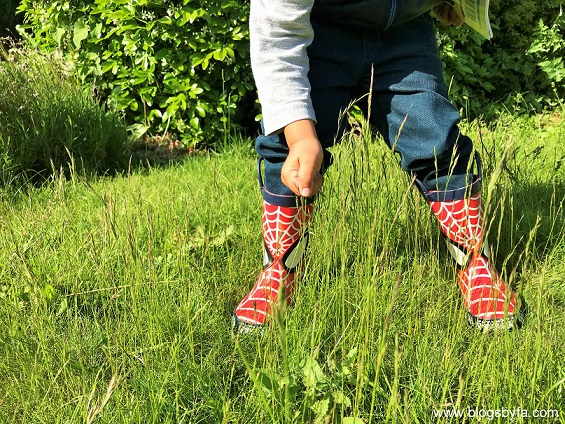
[116, 295]
[47, 116]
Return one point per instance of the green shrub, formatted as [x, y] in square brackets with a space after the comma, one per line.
[171, 66]
[182, 67]
[521, 69]
[47, 121]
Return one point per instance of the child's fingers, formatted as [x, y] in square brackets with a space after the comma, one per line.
[312, 187]
[454, 18]
[301, 169]
[318, 182]
[447, 14]
[308, 177]
[289, 177]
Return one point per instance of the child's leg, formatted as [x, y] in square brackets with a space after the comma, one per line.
[336, 63]
[490, 303]
[411, 109]
[285, 238]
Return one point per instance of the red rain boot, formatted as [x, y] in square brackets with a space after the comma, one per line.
[490, 303]
[285, 233]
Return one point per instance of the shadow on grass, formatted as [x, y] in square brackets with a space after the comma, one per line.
[159, 152]
[531, 226]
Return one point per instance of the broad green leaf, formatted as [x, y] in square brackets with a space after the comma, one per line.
[58, 35]
[121, 15]
[265, 380]
[313, 374]
[220, 54]
[200, 110]
[165, 20]
[344, 368]
[62, 306]
[195, 123]
[321, 408]
[80, 33]
[340, 398]
[136, 131]
[155, 113]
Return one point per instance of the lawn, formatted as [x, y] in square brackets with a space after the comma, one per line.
[116, 295]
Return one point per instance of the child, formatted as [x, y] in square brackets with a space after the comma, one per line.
[310, 60]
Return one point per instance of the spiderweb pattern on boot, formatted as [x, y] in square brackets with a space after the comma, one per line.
[461, 221]
[484, 293]
[283, 228]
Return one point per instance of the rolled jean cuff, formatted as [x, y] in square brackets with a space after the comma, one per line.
[453, 195]
[450, 195]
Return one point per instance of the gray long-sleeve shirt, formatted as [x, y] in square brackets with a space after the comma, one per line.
[280, 32]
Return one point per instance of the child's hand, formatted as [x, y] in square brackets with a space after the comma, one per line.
[301, 170]
[448, 15]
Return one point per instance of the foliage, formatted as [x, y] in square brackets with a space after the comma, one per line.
[182, 67]
[8, 18]
[309, 394]
[548, 49]
[169, 65]
[47, 120]
[521, 69]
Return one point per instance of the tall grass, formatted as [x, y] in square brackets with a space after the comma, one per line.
[116, 295]
[47, 120]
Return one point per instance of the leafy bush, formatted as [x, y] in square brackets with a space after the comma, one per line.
[47, 120]
[521, 69]
[182, 67]
[179, 66]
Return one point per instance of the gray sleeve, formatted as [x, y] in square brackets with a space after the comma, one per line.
[280, 31]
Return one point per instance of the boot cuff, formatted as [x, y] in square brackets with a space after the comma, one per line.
[451, 195]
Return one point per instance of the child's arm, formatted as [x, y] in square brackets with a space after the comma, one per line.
[280, 33]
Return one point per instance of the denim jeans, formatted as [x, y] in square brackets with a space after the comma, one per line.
[409, 104]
